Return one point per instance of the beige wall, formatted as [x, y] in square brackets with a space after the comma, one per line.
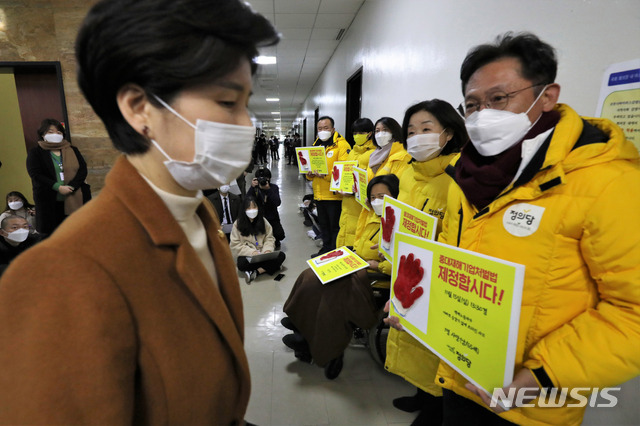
[45, 30]
[13, 154]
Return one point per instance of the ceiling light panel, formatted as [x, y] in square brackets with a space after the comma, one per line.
[265, 60]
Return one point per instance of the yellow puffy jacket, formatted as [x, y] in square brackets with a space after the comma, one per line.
[350, 207]
[424, 185]
[335, 152]
[580, 316]
[395, 164]
[368, 234]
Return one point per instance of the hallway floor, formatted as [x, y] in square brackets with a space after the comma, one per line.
[286, 391]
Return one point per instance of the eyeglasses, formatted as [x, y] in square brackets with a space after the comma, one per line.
[497, 100]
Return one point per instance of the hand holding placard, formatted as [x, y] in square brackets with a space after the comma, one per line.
[409, 276]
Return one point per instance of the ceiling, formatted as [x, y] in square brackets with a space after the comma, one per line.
[311, 31]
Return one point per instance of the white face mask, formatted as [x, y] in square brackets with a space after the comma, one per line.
[53, 137]
[222, 153]
[377, 206]
[383, 138]
[252, 213]
[324, 135]
[424, 146]
[225, 189]
[15, 205]
[19, 235]
[493, 131]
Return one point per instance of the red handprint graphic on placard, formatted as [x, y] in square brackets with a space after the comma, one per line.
[332, 255]
[355, 184]
[387, 225]
[303, 160]
[406, 288]
[336, 173]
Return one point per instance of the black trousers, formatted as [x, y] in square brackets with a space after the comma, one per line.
[329, 221]
[276, 227]
[459, 410]
[271, 266]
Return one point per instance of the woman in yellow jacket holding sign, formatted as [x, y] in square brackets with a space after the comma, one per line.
[363, 136]
[434, 133]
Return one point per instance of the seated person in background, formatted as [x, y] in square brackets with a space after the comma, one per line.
[305, 207]
[322, 316]
[252, 235]
[227, 206]
[15, 239]
[267, 195]
[17, 205]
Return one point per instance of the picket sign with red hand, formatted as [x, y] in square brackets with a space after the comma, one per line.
[387, 226]
[405, 288]
[336, 173]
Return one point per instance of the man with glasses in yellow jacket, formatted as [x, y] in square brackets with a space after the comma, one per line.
[579, 182]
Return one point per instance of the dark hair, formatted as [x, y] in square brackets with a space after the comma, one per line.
[263, 172]
[537, 58]
[164, 46]
[394, 126]
[326, 117]
[5, 221]
[25, 202]
[245, 225]
[448, 118]
[391, 181]
[46, 124]
[362, 125]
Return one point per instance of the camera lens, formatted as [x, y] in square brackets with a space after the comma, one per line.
[262, 181]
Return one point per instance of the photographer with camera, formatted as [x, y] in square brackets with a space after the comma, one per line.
[268, 196]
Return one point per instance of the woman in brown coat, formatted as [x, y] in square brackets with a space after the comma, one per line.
[132, 314]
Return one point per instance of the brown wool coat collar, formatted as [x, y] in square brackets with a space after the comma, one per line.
[222, 305]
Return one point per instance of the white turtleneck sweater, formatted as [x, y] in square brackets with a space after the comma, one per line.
[183, 210]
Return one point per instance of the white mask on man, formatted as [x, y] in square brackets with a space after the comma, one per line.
[324, 135]
[19, 235]
[493, 131]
